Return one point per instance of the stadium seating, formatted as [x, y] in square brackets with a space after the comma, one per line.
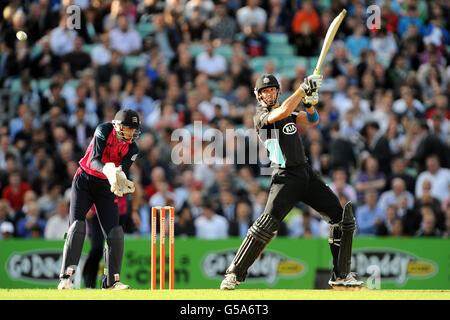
[145, 28]
[132, 62]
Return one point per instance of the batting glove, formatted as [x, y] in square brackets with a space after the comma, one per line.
[312, 82]
[311, 98]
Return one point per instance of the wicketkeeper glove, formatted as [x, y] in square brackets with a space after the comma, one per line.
[115, 177]
[124, 185]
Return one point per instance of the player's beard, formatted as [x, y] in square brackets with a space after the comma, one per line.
[271, 100]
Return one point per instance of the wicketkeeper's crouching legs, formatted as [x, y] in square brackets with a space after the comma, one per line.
[113, 256]
[72, 249]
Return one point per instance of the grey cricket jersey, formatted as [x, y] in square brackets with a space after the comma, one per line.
[280, 138]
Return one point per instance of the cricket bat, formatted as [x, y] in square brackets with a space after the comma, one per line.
[329, 39]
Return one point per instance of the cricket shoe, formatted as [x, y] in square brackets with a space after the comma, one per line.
[349, 282]
[229, 283]
[117, 286]
[65, 283]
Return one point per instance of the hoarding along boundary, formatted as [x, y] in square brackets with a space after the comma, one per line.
[386, 263]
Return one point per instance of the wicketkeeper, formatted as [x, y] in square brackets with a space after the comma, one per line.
[101, 177]
[293, 180]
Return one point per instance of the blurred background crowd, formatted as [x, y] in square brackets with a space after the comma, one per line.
[383, 139]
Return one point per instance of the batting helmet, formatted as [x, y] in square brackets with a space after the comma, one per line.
[266, 81]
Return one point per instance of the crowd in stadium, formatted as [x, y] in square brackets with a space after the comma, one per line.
[382, 142]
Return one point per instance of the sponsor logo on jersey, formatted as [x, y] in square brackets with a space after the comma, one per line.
[289, 128]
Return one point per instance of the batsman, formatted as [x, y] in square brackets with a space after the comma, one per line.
[100, 178]
[293, 180]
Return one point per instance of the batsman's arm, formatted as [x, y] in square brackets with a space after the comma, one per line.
[309, 117]
[287, 107]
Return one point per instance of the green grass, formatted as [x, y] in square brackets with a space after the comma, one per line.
[214, 294]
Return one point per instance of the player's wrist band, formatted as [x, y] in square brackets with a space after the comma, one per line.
[301, 93]
[312, 117]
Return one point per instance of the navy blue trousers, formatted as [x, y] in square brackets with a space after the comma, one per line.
[88, 190]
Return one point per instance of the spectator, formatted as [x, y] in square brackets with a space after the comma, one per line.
[210, 102]
[341, 151]
[305, 41]
[341, 186]
[158, 175]
[408, 105]
[392, 225]
[369, 216]
[428, 200]
[210, 225]
[77, 59]
[58, 224]
[6, 217]
[428, 226]
[195, 28]
[411, 17]
[306, 15]
[163, 196]
[184, 225]
[105, 73]
[49, 201]
[211, 63]
[223, 27]
[141, 103]
[399, 170]
[369, 178]
[204, 7]
[6, 230]
[358, 41]
[28, 225]
[250, 15]
[195, 203]
[340, 60]
[378, 145]
[304, 226]
[15, 190]
[255, 42]
[101, 54]
[53, 97]
[227, 207]
[392, 197]
[62, 39]
[397, 73]
[428, 143]
[46, 63]
[439, 178]
[239, 226]
[81, 127]
[125, 39]
[183, 190]
[384, 45]
[164, 38]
